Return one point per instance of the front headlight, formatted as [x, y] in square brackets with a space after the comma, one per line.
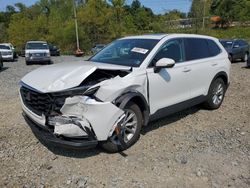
[27, 54]
[47, 54]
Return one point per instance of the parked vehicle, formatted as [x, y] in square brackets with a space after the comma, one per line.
[110, 97]
[21, 52]
[7, 51]
[1, 62]
[237, 49]
[97, 48]
[37, 52]
[54, 51]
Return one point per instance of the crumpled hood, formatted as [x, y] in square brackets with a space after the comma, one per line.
[63, 76]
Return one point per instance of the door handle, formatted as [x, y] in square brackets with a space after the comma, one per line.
[214, 64]
[186, 69]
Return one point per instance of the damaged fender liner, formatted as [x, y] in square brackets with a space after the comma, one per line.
[44, 134]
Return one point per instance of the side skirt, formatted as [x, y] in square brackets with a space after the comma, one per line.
[177, 107]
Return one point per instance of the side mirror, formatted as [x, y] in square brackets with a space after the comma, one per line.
[236, 46]
[163, 63]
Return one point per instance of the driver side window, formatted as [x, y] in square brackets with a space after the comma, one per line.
[172, 49]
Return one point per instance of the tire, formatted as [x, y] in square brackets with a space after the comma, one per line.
[1, 65]
[245, 57]
[113, 145]
[27, 63]
[216, 94]
[230, 57]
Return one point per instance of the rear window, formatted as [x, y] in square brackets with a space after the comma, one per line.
[214, 49]
[196, 48]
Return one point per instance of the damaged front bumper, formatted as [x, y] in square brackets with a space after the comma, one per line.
[45, 134]
[82, 123]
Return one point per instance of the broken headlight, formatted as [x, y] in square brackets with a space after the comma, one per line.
[91, 91]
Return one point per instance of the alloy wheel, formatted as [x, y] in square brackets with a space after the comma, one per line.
[129, 126]
[218, 94]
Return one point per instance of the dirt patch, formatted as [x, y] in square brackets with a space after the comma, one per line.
[193, 148]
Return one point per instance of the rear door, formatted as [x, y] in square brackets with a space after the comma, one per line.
[237, 50]
[202, 64]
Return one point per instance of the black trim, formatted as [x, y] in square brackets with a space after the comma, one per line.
[222, 73]
[177, 107]
[45, 134]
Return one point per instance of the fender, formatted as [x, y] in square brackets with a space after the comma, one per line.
[123, 100]
[224, 75]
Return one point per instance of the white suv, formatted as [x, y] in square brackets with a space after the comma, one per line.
[37, 52]
[132, 81]
[8, 51]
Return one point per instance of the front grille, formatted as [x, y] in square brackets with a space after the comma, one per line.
[6, 53]
[38, 54]
[41, 103]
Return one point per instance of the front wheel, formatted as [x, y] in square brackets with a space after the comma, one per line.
[129, 132]
[216, 94]
[230, 57]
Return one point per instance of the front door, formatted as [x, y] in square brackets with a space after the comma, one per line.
[171, 85]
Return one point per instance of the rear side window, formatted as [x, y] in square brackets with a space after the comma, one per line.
[243, 43]
[214, 49]
[196, 48]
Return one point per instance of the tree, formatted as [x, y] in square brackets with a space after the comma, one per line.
[224, 9]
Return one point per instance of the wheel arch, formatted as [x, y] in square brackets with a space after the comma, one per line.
[223, 75]
[137, 98]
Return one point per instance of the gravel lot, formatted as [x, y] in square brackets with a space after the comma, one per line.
[193, 148]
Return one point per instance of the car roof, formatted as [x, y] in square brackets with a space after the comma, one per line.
[6, 44]
[228, 40]
[36, 42]
[161, 36]
[147, 36]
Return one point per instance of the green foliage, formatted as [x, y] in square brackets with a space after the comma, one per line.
[101, 21]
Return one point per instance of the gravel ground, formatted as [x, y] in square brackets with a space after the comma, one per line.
[193, 148]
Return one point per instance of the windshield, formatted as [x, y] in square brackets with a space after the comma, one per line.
[4, 47]
[36, 46]
[227, 44]
[126, 52]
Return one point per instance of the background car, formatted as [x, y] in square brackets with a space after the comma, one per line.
[7, 51]
[54, 50]
[236, 49]
[21, 51]
[248, 61]
[37, 52]
[97, 48]
[1, 62]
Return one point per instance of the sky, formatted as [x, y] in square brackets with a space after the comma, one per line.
[158, 6]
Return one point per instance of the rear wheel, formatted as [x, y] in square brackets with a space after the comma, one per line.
[245, 57]
[1, 65]
[216, 94]
[129, 132]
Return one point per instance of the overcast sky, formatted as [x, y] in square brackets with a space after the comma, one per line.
[158, 6]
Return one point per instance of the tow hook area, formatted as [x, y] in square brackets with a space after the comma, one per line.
[69, 126]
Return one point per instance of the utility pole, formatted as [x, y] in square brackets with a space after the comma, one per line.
[204, 14]
[76, 26]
